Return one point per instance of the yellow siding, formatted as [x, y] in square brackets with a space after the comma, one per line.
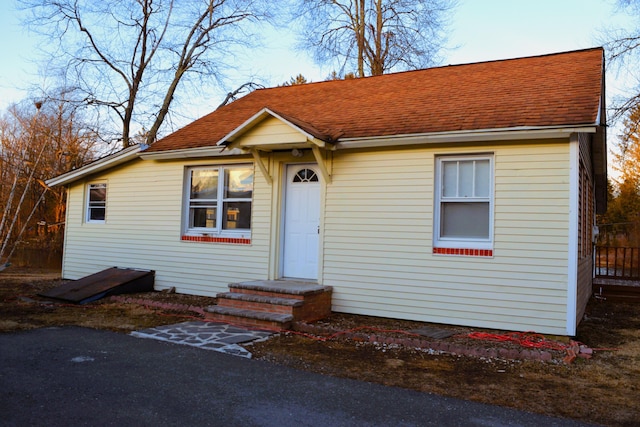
[271, 131]
[143, 230]
[378, 240]
[585, 280]
[585, 264]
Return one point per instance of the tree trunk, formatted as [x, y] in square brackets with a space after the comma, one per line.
[152, 135]
[360, 34]
[377, 61]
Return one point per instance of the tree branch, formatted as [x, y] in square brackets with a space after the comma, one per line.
[232, 96]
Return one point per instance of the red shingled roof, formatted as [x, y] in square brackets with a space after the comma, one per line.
[563, 89]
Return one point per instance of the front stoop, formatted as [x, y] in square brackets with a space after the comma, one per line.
[271, 304]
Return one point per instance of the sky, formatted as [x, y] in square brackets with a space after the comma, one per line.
[480, 30]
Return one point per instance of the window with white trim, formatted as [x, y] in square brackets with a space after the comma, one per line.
[96, 211]
[464, 202]
[219, 199]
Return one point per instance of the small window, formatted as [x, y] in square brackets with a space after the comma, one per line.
[219, 199]
[96, 202]
[305, 175]
[464, 202]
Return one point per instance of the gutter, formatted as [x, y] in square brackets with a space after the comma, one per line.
[99, 165]
[190, 153]
[483, 135]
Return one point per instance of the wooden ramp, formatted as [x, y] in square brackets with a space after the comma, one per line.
[112, 281]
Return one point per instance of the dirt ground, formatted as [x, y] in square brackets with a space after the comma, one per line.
[603, 389]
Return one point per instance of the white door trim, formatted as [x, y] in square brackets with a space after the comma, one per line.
[300, 251]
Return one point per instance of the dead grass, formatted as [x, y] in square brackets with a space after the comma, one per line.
[21, 308]
[604, 389]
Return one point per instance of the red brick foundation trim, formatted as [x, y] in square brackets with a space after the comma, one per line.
[463, 252]
[434, 347]
[210, 239]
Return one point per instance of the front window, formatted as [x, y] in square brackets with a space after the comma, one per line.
[219, 199]
[464, 202]
[96, 202]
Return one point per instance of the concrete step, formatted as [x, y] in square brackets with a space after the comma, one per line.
[280, 288]
[249, 318]
[269, 304]
[272, 304]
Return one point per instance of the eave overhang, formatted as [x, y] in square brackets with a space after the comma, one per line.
[452, 137]
[190, 153]
[96, 166]
[466, 136]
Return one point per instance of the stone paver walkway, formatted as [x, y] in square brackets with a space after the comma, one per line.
[206, 335]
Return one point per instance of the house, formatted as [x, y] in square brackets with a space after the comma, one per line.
[461, 194]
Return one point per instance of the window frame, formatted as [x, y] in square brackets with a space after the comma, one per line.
[220, 202]
[89, 208]
[462, 242]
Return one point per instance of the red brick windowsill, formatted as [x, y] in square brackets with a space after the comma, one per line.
[211, 239]
[463, 252]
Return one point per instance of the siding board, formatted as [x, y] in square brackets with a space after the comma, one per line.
[272, 131]
[380, 261]
[143, 228]
[377, 238]
[585, 257]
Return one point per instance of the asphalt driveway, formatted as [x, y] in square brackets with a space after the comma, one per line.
[82, 377]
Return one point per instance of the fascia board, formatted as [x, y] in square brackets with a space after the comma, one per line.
[99, 165]
[256, 118]
[190, 153]
[506, 134]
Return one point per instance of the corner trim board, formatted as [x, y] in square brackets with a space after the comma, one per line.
[572, 253]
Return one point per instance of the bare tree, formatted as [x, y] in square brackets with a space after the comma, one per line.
[622, 218]
[245, 87]
[623, 50]
[36, 144]
[129, 56]
[374, 36]
[623, 210]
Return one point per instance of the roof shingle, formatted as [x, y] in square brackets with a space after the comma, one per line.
[563, 89]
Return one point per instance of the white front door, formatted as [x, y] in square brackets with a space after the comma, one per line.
[301, 222]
